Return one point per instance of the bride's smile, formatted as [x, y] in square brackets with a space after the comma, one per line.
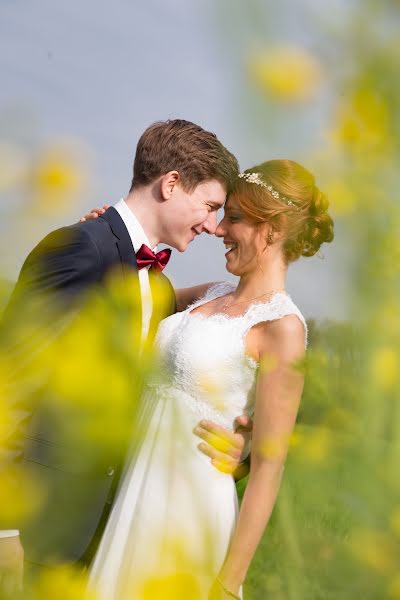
[246, 243]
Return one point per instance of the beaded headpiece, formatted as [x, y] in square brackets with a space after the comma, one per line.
[256, 178]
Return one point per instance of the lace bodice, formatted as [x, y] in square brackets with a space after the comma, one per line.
[206, 360]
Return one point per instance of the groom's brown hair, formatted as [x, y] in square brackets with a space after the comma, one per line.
[178, 145]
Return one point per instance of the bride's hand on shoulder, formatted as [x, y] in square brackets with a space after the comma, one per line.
[224, 447]
[94, 213]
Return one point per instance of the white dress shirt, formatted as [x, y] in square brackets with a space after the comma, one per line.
[138, 238]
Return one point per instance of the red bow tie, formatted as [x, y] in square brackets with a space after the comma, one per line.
[145, 257]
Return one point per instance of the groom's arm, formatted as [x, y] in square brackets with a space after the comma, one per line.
[51, 279]
[186, 296]
[63, 264]
[49, 287]
[53, 276]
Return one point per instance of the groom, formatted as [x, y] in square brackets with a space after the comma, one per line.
[181, 176]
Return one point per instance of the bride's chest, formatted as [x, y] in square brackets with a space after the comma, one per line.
[196, 343]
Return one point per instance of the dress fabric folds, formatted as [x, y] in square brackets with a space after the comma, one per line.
[175, 513]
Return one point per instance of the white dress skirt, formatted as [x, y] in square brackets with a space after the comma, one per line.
[174, 515]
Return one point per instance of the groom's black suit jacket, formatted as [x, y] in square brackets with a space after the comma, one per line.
[65, 266]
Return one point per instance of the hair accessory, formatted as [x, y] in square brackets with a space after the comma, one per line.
[256, 178]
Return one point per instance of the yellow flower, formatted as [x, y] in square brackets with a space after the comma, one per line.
[21, 495]
[394, 588]
[362, 122]
[316, 445]
[211, 388]
[296, 438]
[274, 447]
[343, 200]
[173, 587]
[376, 549]
[57, 174]
[395, 520]
[268, 363]
[384, 367]
[285, 72]
[63, 583]
[172, 571]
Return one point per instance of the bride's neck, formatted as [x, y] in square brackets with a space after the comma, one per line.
[254, 284]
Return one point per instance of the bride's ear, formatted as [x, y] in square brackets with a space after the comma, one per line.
[168, 184]
[272, 235]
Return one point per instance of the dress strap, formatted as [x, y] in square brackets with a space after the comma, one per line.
[280, 305]
[222, 288]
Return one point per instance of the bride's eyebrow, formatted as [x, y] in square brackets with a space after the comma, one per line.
[235, 209]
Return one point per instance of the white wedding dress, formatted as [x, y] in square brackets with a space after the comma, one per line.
[174, 515]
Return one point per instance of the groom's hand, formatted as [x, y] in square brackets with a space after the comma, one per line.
[11, 565]
[224, 447]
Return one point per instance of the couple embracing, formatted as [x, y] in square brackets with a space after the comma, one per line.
[230, 354]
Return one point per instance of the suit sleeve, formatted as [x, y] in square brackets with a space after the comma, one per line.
[65, 263]
[49, 289]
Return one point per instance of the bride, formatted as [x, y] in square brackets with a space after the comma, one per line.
[175, 529]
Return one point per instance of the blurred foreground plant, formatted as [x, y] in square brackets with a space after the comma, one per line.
[79, 373]
[334, 533]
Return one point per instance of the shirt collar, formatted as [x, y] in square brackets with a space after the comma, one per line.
[135, 229]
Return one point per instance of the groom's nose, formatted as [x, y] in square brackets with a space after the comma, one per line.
[210, 224]
[220, 230]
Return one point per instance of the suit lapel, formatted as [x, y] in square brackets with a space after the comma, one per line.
[164, 302]
[126, 254]
[123, 241]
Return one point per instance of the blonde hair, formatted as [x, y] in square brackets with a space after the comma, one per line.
[304, 222]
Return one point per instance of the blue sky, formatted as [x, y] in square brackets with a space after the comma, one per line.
[101, 72]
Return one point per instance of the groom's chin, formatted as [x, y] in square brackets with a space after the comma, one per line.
[181, 247]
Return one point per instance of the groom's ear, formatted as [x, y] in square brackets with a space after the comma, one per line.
[168, 183]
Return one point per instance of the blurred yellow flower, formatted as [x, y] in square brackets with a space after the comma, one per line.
[343, 200]
[63, 583]
[287, 73]
[212, 390]
[394, 588]
[376, 549]
[388, 317]
[317, 445]
[56, 175]
[363, 122]
[297, 437]
[5, 400]
[21, 495]
[274, 447]
[268, 363]
[172, 571]
[175, 587]
[395, 520]
[384, 367]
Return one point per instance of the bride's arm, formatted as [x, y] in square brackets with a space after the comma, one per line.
[279, 389]
[185, 296]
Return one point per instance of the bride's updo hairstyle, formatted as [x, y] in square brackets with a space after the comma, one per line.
[283, 194]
